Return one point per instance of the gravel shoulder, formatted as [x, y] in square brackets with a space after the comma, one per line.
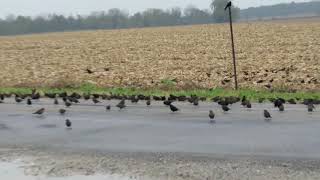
[58, 163]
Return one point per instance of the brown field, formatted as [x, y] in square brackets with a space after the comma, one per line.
[269, 54]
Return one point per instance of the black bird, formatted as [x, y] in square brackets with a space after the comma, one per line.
[40, 111]
[89, 71]
[108, 107]
[225, 108]
[29, 102]
[95, 101]
[281, 107]
[68, 104]
[1, 97]
[62, 111]
[18, 99]
[148, 102]
[196, 102]
[310, 107]
[266, 114]
[121, 104]
[167, 102]
[211, 116]
[249, 106]
[173, 108]
[56, 102]
[228, 5]
[68, 123]
[243, 100]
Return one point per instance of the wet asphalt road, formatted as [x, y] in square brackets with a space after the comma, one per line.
[291, 134]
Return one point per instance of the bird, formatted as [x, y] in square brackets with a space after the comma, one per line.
[196, 102]
[310, 107]
[173, 108]
[148, 102]
[18, 99]
[62, 111]
[68, 123]
[121, 104]
[281, 107]
[68, 104]
[249, 106]
[95, 101]
[167, 102]
[225, 108]
[266, 114]
[108, 107]
[29, 102]
[1, 97]
[211, 116]
[228, 5]
[40, 111]
[56, 102]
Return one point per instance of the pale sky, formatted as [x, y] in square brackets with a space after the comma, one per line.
[84, 7]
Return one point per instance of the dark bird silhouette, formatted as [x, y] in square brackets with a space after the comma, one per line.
[89, 71]
[29, 102]
[62, 111]
[225, 108]
[196, 102]
[86, 96]
[121, 104]
[228, 5]
[40, 111]
[266, 114]
[68, 104]
[173, 108]
[167, 102]
[56, 102]
[68, 123]
[310, 107]
[95, 101]
[108, 107]
[281, 107]
[18, 99]
[148, 102]
[277, 103]
[1, 97]
[249, 106]
[211, 116]
[35, 95]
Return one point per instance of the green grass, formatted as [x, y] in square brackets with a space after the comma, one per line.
[251, 94]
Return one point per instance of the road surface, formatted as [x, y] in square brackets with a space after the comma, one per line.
[292, 134]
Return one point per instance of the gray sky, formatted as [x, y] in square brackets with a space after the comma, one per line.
[68, 7]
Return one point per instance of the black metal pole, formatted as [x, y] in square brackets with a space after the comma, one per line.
[233, 52]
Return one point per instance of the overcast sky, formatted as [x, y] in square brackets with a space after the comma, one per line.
[68, 7]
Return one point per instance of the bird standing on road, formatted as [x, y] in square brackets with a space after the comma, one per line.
[95, 101]
[62, 111]
[310, 107]
[148, 102]
[68, 104]
[121, 104]
[173, 108]
[108, 107]
[56, 102]
[40, 111]
[167, 102]
[281, 107]
[225, 108]
[29, 102]
[211, 116]
[267, 115]
[18, 99]
[68, 123]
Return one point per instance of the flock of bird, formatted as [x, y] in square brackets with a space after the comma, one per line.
[224, 102]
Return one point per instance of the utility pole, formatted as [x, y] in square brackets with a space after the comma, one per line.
[228, 6]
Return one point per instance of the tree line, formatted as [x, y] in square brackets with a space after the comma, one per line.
[116, 19]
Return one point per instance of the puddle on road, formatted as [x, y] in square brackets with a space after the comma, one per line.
[14, 171]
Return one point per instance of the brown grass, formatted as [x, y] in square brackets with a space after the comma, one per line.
[269, 53]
